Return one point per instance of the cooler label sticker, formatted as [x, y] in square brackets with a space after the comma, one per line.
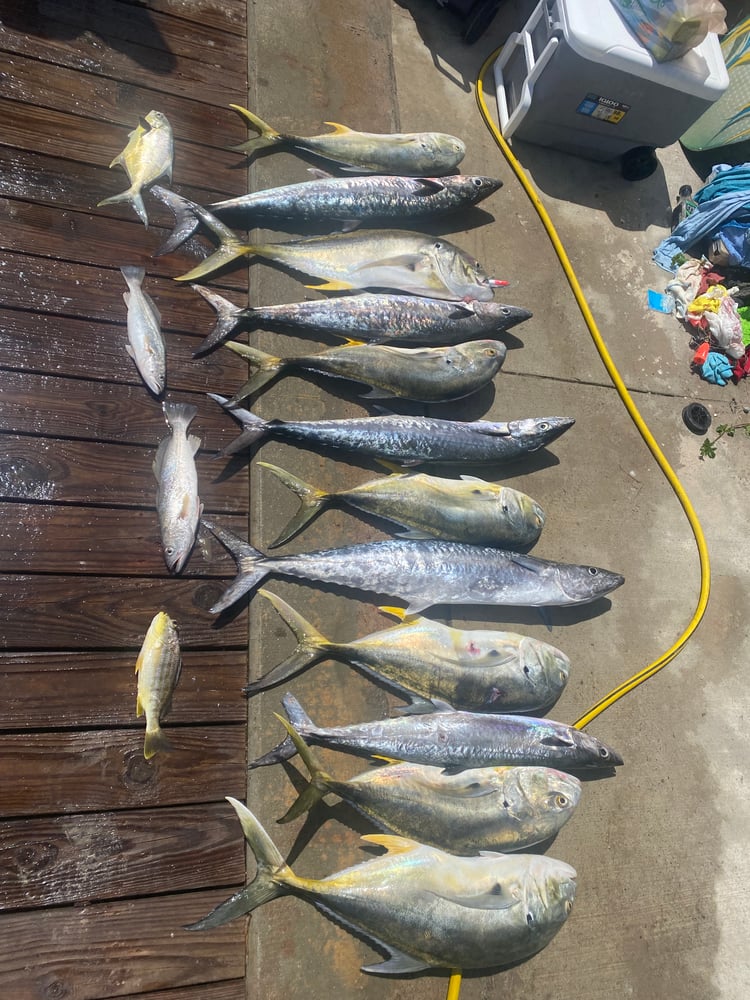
[603, 108]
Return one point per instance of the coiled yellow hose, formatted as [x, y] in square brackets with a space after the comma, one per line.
[642, 675]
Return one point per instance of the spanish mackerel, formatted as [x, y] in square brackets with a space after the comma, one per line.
[482, 809]
[424, 573]
[479, 670]
[405, 153]
[377, 318]
[452, 740]
[425, 374]
[408, 440]
[392, 259]
[423, 907]
[351, 200]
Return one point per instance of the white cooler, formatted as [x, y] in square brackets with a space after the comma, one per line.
[575, 78]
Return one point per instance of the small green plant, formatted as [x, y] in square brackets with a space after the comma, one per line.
[708, 448]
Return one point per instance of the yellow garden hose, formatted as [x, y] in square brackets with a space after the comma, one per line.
[705, 569]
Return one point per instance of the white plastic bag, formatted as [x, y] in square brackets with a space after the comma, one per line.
[670, 28]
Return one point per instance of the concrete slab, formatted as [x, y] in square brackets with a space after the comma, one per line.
[662, 905]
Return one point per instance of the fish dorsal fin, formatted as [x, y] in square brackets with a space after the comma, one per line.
[397, 613]
[442, 706]
[392, 844]
[351, 342]
[473, 479]
[339, 129]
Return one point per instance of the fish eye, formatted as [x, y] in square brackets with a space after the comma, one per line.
[477, 182]
[476, 492]
[592, 570]
[560, 801]
[505, 508]
[438, 246]
[530, 919]
[489, 352]
[169, 550]
[526, 670]
[448, 361]
[544, 426]
[603, 752]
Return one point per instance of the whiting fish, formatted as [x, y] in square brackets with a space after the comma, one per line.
[145, 341]
[177, 502]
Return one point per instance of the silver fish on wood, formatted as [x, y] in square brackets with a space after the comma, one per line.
[145, 341]
[177, 501]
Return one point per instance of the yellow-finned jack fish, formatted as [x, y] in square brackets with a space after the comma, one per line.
[426, 908]
[147, 157]
[158, 669]
[410, 154]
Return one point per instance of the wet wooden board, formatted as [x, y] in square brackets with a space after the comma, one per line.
[104, 856]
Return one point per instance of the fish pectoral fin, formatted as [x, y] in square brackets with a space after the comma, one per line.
[497, 898]
[493, 430]
[398, 613]
[414, 534]
[417, 706]
[556, 741]
[398, 964]
[194, 443]
[392, 843]
[318, 174]
[469, 789]
[376, 394]
[410, 261]
[429, 186]
[527, 562]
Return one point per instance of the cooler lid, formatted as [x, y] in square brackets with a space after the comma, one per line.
[596, 32]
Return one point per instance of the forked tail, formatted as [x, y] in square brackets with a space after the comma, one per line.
[132, 197]
[312, 501]
[268, 881]
[268, 367]
[252, 566]
[229, 319]
[318, 786]
[265, 135]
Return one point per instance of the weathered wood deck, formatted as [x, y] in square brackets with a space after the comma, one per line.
[103, 855]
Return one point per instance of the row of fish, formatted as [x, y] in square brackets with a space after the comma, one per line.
[472, 779]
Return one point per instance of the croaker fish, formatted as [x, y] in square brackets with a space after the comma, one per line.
[145, 340]
[349, 201]
[406, 153]
[158, 669]
[457, 510]
[177, 500]
[478, 670]
[453, 740]
[484, 809]
[147, 157]
[376, 318]
[425, 374]
[407, 440]
[424, 573]
[424, 907]
[392, 259]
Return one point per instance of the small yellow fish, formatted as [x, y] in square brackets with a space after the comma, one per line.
[158, 668]
[147, 157]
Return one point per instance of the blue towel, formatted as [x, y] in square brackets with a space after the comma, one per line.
[705, 221]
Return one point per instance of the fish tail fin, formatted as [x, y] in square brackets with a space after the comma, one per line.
[133, 275]
[311, 647]
[186, 219]
[179, 415]
[253, 426]
[312, 501]
[268, 367]
[132, 197]
[228, 252]
[265, 135]
[269, 879]
[286, 749]
[155, 741]
[252, 566]
[317, 787]
[229, 317]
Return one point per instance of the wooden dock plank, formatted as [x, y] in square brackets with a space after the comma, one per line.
[62, 471]
[69, 612]
[231, 989]
[101, 770]
[99, 541]
[99, 688]
[226, 15]
[60, 860]
[81, 291]
[46, 344]
[117, 949]
[98, 411]
[207, 65]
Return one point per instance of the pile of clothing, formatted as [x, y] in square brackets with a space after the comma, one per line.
[711, 241]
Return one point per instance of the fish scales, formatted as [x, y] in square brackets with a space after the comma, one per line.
[425, 572]
[453, 739]
[158, 668]
[375, 317]
[355, 199]
[409, 440]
